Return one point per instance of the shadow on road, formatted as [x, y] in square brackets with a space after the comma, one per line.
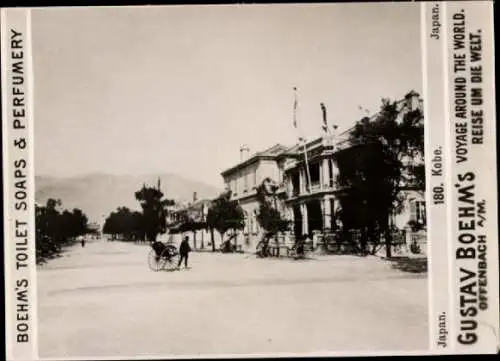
[407, 264]
[204, 284]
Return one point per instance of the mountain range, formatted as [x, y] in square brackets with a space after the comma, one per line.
[98, 194]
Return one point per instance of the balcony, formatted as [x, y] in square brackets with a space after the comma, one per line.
[315, 187]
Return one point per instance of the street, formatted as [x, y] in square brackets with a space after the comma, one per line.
[103, 300]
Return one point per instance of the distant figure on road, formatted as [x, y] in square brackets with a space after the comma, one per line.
[83, 242]
[184, 250]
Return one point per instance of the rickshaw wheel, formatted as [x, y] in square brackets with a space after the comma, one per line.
[170, 257]
[260, 249]
[156, 263]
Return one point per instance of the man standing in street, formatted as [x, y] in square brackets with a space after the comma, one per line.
[184, 250]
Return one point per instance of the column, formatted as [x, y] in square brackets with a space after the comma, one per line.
[305, 220]
[291, 215]
[327, 216]
[302, 182]
[289, 184]
[326, 173]
[335, 170]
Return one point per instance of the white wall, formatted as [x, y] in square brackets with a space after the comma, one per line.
[236, 181]
[200, 234]
[268, 168]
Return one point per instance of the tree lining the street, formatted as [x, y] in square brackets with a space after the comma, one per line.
[386, 157]
[223, 215]
[154, 211]
[126, 223]
[55, 228]
[190, 222]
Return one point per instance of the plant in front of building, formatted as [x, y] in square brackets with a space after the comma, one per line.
[269, 215]
[386, 157]
[223, 215]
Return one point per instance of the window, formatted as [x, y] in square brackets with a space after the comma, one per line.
[233, 186]
[245, 182]
[314, 173]
[417, 212]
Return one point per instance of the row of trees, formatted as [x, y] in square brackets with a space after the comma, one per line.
[226, 215]
[223, 215]
[55, 228]
[145, 225]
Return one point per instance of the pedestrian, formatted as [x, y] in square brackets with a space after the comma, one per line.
[184, 250]
[83, 242]
[300, 247]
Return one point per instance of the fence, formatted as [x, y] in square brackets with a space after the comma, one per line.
[351, 242]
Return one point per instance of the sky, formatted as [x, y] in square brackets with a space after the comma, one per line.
[179, 89]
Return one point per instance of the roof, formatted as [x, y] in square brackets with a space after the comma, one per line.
[269, 153]
[340, 140]
[196, 206]
[275, 150]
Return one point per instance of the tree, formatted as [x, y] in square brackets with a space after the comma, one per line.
[386, 157]
[125, 222]
[153, 211]
[191, 222]
[212, 219]
[55, 228]
[79, 223]
[269, 216]
[225, 214]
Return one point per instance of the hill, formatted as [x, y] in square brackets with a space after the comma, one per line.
[98, 194]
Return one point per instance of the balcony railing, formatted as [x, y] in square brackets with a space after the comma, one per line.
[315, 187]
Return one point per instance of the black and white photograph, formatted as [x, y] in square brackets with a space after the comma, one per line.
[249, 180]
[229, 180]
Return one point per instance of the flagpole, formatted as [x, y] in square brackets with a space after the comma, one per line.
[307, 167]
[301, 139]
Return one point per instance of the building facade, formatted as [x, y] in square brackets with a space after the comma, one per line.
[194, 212]
[243, 180]
[311, 193]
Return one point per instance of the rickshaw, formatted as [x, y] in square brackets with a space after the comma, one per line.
[163, 256]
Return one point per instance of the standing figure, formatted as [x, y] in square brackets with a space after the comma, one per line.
[83, 242]
[184, 250]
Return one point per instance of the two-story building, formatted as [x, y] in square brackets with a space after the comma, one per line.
[244, 178]
[311, 193]
[311, 190]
